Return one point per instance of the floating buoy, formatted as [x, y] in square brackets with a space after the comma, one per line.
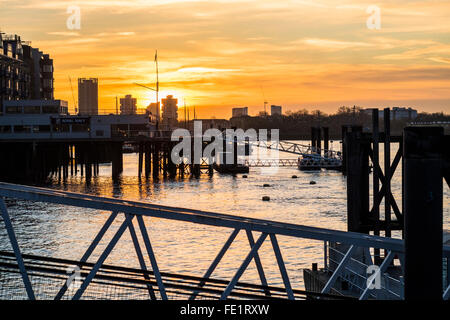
[266, 198]
[294, 177]
[266, 185]
[245, 176]
[312, 182]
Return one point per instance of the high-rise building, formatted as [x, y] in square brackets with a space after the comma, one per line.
[41, 71]
[240, 112]
[128, 105]
[88, 96]
[25, 72]
[169, 112]
[275, 110]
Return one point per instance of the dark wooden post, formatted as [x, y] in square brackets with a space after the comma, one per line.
[357, 181]
[423, 206]
[88, 160]
[235, 151]
[318, 141]
[71, 158]
[141, 156]
[147, 150]
[344, 150]
[117, 161]
[387, 170]
[376, 176]
[223, 161]
[326, 143]
[155, 157]
[172, 165]
[313, 139]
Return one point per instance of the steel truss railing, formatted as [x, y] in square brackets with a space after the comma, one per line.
[295, 148]
[137, 210]
[271, 162]
[291, 147]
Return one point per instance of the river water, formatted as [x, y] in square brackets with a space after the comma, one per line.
[65, 232]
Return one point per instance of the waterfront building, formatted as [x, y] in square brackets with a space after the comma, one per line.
[240, 112]
[275, 110]
[49, 119]
[25, 72]
[169, 112]
[397, 113]
[128, 105]
[41, 72]
[88, 96]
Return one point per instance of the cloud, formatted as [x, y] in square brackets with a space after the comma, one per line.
[64, 33]
[440, 60]
[331, 44]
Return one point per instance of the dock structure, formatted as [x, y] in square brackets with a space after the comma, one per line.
[408, 268]
[418, 272]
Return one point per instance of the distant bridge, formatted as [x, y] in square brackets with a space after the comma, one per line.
[271, 162]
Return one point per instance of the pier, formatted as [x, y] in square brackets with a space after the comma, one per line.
[424, 156]
[403, 270]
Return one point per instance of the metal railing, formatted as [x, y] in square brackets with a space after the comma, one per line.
[296, 148]
[271, 162]
[156, 281]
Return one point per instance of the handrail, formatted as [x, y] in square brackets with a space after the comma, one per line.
[196, 216]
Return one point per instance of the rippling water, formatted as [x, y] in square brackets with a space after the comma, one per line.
[58, 231]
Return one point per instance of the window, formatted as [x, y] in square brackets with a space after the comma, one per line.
[48, 83]
[22, 129]
[99, 133]
[61, 128]
[5, 129]
[32, 109]
[80, 128]
[47, 68]
[13, 109]
[41, 129]
[50, 109]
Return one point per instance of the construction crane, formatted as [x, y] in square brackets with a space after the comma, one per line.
[157, 82]
[265, 101]
[141, 85]
[73, 96]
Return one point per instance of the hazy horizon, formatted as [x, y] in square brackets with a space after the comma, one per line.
[220, 54]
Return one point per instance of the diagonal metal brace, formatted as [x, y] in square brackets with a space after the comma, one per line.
[216, 261]
[339, 269]
[243, 266]
[16, 248]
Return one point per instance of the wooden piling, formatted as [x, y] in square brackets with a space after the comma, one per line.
[344, 150]
[155, 157]
[376, 176]
[357, 181]
[318, 141]
[423, 212]
[387, 170]
[141, 155]
[326, 141]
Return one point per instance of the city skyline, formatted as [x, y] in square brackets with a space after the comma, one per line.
[219, 55]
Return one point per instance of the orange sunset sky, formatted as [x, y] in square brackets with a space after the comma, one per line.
[220, 54]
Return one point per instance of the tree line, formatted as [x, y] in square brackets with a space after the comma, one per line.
[297, 124]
